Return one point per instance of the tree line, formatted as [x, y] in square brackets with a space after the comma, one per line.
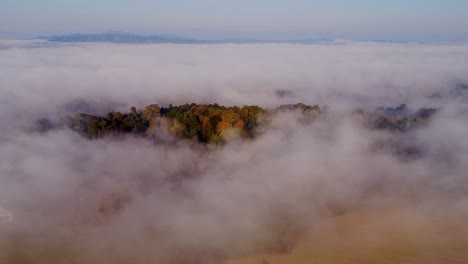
[215, 124]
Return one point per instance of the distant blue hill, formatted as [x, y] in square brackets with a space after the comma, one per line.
[119, 37]
[123, 37]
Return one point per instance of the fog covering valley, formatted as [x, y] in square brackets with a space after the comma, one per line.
[328, 189]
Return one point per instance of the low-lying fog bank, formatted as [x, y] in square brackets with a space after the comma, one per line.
[288, 195]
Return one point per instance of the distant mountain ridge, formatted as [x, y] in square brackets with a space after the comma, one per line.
[119, 37]
[129, 38]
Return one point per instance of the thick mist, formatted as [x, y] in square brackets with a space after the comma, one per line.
[130, 200]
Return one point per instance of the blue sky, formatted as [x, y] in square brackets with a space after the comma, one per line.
[424, 20]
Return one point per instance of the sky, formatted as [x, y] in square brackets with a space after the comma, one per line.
[415, 20]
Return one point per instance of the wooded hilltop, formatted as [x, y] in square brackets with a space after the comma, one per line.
[215, 124]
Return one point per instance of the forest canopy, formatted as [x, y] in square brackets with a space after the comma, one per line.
[215, 124]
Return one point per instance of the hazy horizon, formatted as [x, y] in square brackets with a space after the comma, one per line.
[425, 21]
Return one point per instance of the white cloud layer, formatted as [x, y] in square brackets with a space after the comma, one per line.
[182, 201]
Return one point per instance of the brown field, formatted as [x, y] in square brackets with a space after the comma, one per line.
[395, 236]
